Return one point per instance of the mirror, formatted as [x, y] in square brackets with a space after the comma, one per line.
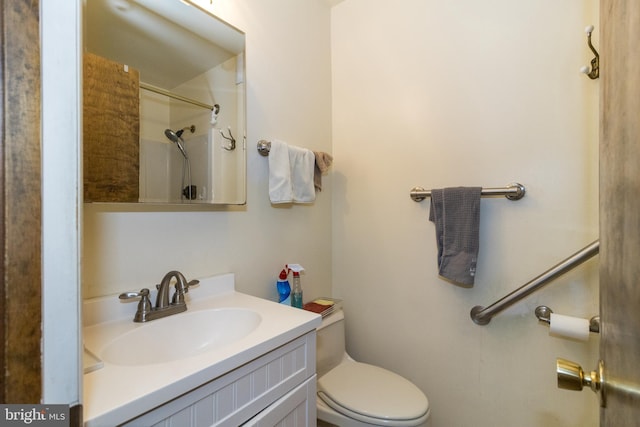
[164, 104]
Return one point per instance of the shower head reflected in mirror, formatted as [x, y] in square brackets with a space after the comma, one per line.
[177, 138]
[188, 192]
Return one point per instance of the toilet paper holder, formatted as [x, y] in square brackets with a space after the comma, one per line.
[543, 313]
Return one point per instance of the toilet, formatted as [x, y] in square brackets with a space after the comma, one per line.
[355, 394]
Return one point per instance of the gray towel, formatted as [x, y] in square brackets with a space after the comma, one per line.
[456, 215]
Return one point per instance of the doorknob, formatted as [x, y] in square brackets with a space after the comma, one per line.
[572, 377]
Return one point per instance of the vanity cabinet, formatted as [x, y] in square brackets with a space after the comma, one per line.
[276, 388]
[296, 408]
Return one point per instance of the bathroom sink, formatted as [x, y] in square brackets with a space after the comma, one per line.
[180, 336]
[145, 365]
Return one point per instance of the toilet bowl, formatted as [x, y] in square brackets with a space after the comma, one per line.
[356, 394]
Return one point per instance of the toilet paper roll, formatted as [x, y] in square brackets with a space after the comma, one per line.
[569, 327]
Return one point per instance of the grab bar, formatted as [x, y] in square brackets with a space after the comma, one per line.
[513, 191]
[482, 315]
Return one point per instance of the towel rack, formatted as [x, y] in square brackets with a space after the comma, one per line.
[513, 191]
[482, 315]
[264, 147]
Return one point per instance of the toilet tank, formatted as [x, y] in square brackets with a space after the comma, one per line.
[330, 343]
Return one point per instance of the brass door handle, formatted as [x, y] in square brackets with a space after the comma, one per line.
[572, 377]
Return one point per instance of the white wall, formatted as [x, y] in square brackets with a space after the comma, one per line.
[439, 94]
[288, 98]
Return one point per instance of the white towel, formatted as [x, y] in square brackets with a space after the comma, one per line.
[291, 174]
[279, 173]
[303, 163]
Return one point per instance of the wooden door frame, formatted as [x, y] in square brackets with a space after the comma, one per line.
[619, 207]
[20, 203]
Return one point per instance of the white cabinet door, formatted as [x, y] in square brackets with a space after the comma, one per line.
[295, 409]
[239, 395]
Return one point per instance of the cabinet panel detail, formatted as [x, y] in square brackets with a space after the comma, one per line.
[242, 393]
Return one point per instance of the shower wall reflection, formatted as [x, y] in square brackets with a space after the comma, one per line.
[216, 173]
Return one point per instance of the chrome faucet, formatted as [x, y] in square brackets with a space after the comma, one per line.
[163, 307]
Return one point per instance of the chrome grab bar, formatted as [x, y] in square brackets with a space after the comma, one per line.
[482, 315]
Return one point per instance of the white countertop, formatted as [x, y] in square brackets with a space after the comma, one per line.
[116, 393]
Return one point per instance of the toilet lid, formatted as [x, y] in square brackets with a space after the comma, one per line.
[372, 392]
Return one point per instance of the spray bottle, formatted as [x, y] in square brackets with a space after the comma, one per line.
[284, 289]
[296, 295]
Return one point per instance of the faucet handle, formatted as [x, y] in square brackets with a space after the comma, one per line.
[144, 292]
[191, 283]
[178, 296]
[144, 306]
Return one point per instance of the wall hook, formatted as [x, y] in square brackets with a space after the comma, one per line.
[595, 62]
[230, 138]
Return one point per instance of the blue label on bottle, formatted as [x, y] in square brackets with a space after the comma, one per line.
[283, 290]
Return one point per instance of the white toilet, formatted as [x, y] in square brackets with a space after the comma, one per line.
[354, 394]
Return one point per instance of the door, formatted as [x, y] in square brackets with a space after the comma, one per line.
[620, 210]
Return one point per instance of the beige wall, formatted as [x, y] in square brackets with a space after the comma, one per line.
[433, 94]
[439, 94]
[288, 98]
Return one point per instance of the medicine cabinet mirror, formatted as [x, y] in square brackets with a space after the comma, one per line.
[163, 104]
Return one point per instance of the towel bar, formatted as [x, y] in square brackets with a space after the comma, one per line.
[513, 191]
[264, 147]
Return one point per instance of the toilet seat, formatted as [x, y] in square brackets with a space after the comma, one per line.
[373, 395]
